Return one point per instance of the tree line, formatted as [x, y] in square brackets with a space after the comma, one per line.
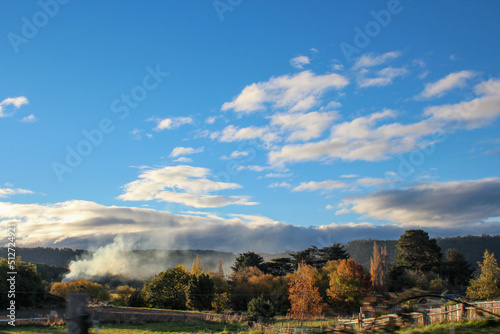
[307, 283]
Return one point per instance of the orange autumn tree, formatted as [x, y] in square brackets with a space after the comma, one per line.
[304, 296]
[348, 285]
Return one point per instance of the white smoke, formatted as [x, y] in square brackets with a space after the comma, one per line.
[117, 259]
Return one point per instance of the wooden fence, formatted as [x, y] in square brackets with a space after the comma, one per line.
[449, 313]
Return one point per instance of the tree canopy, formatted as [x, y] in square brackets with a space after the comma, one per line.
[486, 286]
[415, 250]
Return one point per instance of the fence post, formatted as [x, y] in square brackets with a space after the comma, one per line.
[77, 313]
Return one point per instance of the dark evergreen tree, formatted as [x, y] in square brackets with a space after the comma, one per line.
[416, 251]
[249, 259]
[457, 271]
[200, 292]
[279, 266]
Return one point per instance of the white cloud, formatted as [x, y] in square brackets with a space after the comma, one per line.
[370, 182]
[303, 126]
[187, 185]
[235, 155]
[170, 123]
[254, 168]
[342, 211]
[6, 192]
[278, 175]
[280, 185]
[233, 133]
[29, 119]
[349, 176]
[299, 61]
[297, 92]
[471, 114]
[384, 77]
[359, 139]
[185, 151]
[332, 105]
[451, 81]
[83, 224]
[184, 160]
[323, 185]
[137, 134]
[211, 119]
[369, 60]
[16, 102]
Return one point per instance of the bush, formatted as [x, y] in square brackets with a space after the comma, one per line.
[260, 309]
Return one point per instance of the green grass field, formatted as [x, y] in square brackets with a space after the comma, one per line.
[464, 327]
[140, 328]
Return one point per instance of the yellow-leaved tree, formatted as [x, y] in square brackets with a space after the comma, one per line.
[304, 296]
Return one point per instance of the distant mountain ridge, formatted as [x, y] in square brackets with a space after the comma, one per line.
[473, 248]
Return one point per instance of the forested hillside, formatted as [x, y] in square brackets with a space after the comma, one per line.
[60, 257]
[473, 248]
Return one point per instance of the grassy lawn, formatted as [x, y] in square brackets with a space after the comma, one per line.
[140, 328]
[465, 327]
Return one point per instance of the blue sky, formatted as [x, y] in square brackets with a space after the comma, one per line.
[248, 125]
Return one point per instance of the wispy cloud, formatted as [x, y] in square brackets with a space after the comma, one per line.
[322, 185]
[451, 81]
[299, 61]
[6, 192]
[170, 123]
[280, 185]
[370, 60]
[177, 151]
[29, 119]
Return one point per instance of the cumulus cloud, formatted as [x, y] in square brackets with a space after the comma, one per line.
[170, 123]
[15, 102]
[181, 184]
[298, 92]
[299, 61]
[177, 151]
[451, 81]
[433, 204]
[6, 192]
[303, 126]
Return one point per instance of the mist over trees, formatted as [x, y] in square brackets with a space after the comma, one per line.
[304, 284]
